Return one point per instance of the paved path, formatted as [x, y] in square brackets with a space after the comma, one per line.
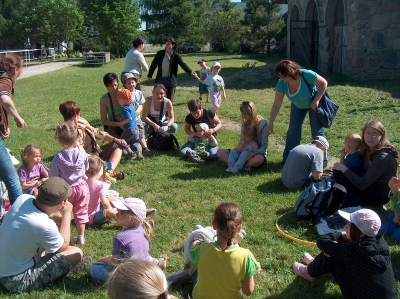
[32, 70]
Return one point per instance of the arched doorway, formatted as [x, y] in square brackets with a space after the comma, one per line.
[335, 16]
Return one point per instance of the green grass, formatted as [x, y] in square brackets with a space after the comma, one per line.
[186, 194]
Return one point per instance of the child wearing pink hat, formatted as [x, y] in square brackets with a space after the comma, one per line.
[358, 258]
[132, 241]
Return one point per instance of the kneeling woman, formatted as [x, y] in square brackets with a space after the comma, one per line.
[358, 258]
[155, 111]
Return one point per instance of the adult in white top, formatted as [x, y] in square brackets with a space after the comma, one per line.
[134, 59]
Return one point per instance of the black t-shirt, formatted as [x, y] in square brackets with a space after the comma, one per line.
[207, 118]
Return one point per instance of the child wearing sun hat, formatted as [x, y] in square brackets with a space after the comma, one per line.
[358, 258]
[132, 241]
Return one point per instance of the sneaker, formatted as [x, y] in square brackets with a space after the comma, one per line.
[301, 270]
[73, 240]
[229, 169]
[234, 170]
[307, 258]
[132, 156]
[162, 262]
[83, 264]
[80, 240]
[139, 156]
[147, 152]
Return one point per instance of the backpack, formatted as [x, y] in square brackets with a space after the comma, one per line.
[162, 141]
[319, 199]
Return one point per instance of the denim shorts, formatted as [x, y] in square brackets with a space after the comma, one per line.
[204, 89]
[49, 268]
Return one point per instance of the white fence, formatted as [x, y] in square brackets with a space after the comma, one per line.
[33, 55]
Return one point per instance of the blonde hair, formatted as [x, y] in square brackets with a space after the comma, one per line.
[137, 279]
[248, 108]
[354, 141]
[95, 164]
[248, 131]
[134, 221]
[365, 150]
[27, 151]
[67, 133]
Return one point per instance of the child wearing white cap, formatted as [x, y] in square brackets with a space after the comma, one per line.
[202, 144]
[216, 84]
[358, 258]
[132, 241]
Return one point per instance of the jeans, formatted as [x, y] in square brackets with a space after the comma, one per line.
[100, 271]
[237, 159]
[190, 145]
[99, 217]
[9, 175]
[131, 136]
[293, 135]
[390, 228]
[171, 129]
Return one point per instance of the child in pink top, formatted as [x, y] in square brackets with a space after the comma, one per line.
[32, 172]
[99, 208]
[71, 164]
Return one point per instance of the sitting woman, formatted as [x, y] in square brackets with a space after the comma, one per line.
[110, 109]
[88, 135]
[197, 116]
[380, 165]
[250, 117]
[358, 258]
[155, 111]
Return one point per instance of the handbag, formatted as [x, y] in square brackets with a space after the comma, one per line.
[166, 81]
[327, 109]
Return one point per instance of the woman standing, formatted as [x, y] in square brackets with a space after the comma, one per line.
[134, 59]
[250, 117]
[154, 112]
[380, 165]
[292, 84]
[110, 110]
[167, 62]
[10, 69]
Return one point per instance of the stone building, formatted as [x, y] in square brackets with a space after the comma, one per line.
[357, 38]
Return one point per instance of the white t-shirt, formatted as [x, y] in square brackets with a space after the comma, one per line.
[137, 99]
[215, 82]
[24, 234]
[134, 60]
[203, 73]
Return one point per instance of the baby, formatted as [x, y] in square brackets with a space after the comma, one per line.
[201, 144]
[349, 154]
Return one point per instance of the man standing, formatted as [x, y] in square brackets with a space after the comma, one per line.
[303, 162]
[27, 232]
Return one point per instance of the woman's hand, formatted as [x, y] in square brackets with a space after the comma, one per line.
[163, 129]
[6, 133]
[314, 105]
[270, 128]
[339, 166]
[120, 141]
[20, 122]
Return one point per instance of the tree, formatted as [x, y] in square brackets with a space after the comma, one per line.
[263, 22]
[118, 22]
[11, 12]
[185, 20]
[225, 27]
[52, 20]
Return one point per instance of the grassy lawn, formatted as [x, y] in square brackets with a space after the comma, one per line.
[186, 194]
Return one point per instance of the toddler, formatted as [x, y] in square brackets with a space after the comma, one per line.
[32, 172]
[132, 241]
[224, 268]
[136, 278]
[245, 148]
[349, 154]
[130, 80]
[99, 208]
[203, 73]
[392, 227]
[71, 164]
[200, 153]
[128, 120]
[216, 85]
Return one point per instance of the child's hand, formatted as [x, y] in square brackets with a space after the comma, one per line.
[343, 153]
[394, 185]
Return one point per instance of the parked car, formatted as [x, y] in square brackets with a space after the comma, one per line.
[188, 48]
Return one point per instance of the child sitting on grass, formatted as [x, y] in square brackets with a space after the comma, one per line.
[128, 121]
[202, 144]
[99, 208]
[246, 147]
[32, 172]
[132, 241]
[224, 268]
[392, 227]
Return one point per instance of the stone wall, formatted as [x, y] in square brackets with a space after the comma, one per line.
[370, 37]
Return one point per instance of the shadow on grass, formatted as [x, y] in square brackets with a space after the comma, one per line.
[273, 186]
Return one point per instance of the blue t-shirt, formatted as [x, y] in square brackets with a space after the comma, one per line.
[129, 112]
[302, 97]
[354, 162]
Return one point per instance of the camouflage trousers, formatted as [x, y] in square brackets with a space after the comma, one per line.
[48, 268]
